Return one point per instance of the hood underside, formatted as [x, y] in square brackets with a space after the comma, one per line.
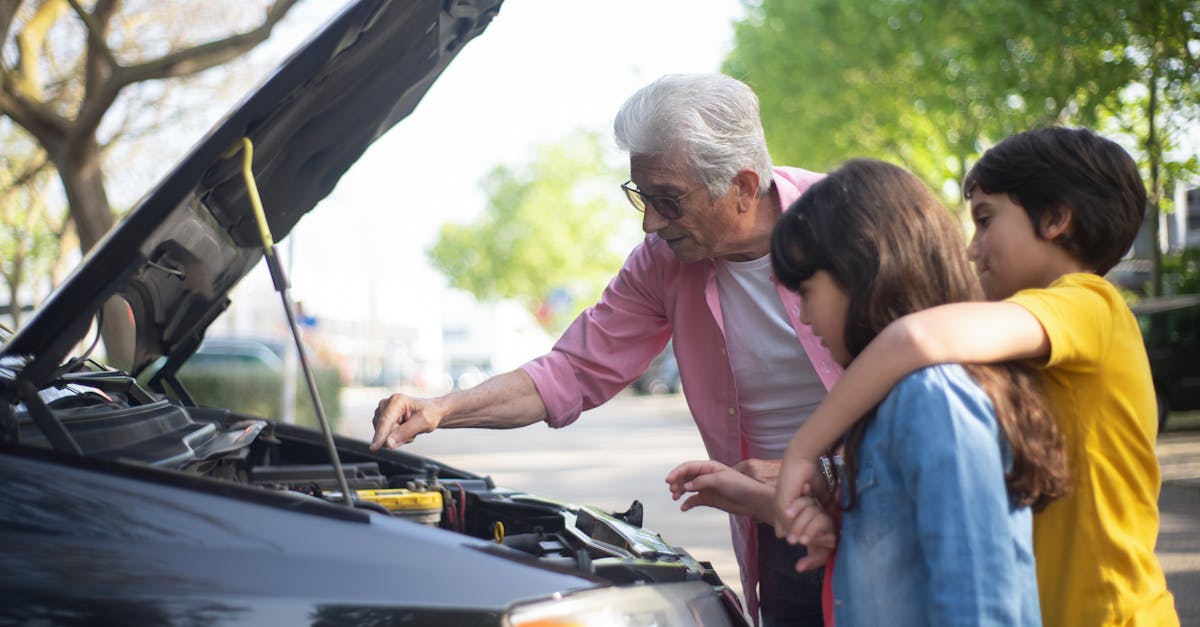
[177, 254]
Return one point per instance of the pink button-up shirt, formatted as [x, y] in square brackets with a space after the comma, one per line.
[654, 298]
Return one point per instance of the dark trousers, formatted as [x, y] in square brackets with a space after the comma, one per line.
[787, 598]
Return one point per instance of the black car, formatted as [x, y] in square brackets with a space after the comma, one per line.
[129, 504]
[1171, 330]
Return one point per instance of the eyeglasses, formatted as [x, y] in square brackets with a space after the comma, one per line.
[666, 206]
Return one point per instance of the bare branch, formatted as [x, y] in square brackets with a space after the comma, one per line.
[38, 118]
[208, 55]
[100, 58]
[29, 44]
[8, 11]
[176, 64]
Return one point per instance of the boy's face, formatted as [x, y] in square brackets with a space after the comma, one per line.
[1008, 254]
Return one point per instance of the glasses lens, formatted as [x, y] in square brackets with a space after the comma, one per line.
[635, 197]
[666, 207]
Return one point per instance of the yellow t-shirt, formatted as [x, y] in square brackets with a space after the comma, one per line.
[1095, 547]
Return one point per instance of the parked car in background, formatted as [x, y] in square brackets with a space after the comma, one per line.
[662, 377]
[246, 374]
[1171, 330]
[132, 504]
[224, 352]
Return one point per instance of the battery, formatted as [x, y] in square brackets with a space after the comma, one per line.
[422, 507]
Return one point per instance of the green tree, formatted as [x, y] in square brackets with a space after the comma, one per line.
[930, 84]
[67, 65]
[552, 235]
[29, 229]
[924, 83]
[1160, 105]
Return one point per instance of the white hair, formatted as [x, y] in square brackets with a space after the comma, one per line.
[711, 121]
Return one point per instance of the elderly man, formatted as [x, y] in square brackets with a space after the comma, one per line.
[750, 370]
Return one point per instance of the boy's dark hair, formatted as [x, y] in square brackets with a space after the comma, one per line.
[1047, 170]
[885, 239]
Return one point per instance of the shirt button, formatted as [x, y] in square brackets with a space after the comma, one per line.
[723, 351]
[732, 411]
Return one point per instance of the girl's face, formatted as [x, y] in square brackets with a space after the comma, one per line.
[823, 306]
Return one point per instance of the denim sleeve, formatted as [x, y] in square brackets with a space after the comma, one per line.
[946, 445]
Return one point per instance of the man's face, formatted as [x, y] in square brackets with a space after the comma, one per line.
[1008, 254]
[702, 229]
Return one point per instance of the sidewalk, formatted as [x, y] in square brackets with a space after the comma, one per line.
[1179, 451]
[1179, 513]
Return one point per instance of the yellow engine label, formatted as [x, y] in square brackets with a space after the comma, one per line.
[400, 499]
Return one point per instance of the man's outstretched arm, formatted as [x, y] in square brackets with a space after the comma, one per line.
[504, 401]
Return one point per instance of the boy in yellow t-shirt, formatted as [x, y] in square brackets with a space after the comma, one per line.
[1054, 209]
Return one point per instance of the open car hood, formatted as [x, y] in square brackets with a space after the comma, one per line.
[177, 254]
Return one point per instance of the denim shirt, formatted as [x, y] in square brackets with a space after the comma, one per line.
[933, 538]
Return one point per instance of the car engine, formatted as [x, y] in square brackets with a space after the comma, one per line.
[111, 417]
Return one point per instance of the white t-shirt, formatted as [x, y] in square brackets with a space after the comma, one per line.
[777, 386]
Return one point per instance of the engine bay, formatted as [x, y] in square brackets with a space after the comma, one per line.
[112, 418]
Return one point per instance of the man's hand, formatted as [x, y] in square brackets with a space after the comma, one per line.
[399, 419]
[763, 470]
[714, 484]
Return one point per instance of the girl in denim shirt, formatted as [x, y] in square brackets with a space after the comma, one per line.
[936, 520]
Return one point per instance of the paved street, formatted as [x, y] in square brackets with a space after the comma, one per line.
[623, 450]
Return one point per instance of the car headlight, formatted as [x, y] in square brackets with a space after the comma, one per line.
[660, 605]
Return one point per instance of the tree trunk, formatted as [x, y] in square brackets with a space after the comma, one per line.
[1154, 150]
[83, 181]
[14, 287]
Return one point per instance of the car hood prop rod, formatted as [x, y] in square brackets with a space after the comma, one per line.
[281, 285]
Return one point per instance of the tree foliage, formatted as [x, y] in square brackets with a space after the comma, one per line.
[930, 84]
[552, 235]
[924, 83]
[29, 228]
[66, 66]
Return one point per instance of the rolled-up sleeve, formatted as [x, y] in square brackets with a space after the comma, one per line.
[611, 343]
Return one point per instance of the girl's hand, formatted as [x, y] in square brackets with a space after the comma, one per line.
[794, 489]
[815, 529]
[713, 484]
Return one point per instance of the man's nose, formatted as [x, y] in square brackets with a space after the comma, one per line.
[973, 248]
[652, 220]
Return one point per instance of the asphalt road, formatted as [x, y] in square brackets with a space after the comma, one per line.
[622, 451]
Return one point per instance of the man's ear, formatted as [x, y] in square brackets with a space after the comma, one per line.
[746, 182]
[1057, 223]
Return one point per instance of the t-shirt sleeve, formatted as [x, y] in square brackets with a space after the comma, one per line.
[1077, 317]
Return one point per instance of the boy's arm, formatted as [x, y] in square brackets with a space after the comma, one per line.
[974, 332]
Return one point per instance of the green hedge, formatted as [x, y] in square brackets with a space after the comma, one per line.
[257, 391]
[1181, 272]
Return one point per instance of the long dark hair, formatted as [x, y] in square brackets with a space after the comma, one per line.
[884, 238]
